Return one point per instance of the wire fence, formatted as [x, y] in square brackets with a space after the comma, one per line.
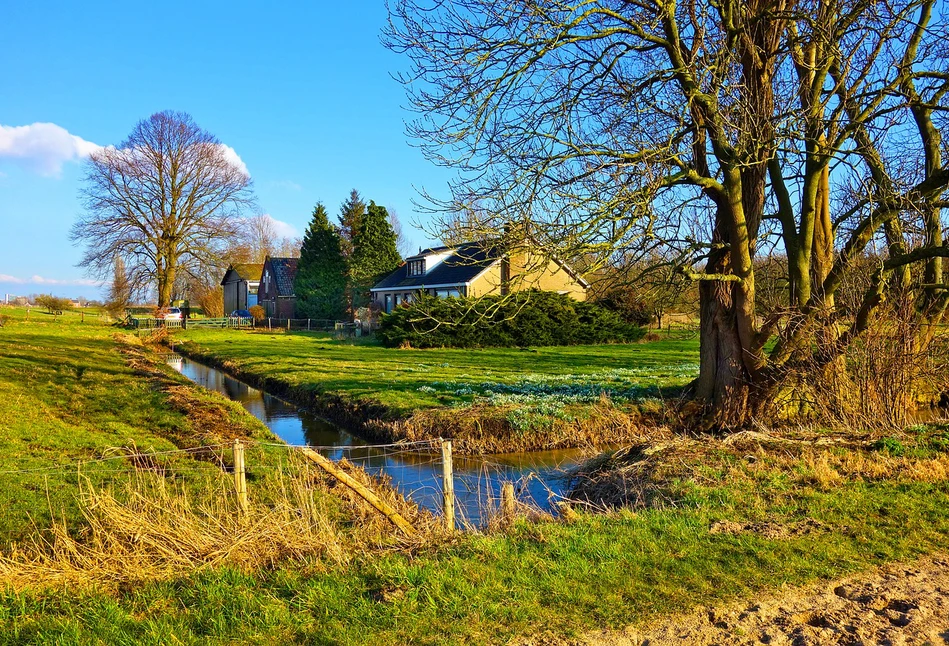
[415, 470]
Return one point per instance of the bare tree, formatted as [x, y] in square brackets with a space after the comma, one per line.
[257, 238]
[401, 241]
[703, 132]
[120, 292]
[163, 201]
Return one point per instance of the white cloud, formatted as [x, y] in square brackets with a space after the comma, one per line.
[43, 147]
[282, 229]
[234, 159]
[40, 280]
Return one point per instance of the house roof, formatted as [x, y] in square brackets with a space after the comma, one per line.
[244, 271]
[284, 270]
[466, 261]
[428, 252]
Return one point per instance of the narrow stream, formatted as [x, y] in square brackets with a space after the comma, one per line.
[417, 475]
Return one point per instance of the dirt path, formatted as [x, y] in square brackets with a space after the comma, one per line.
[895, 605]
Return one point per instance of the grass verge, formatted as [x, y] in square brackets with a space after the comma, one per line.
[713, 519]
[493, 400]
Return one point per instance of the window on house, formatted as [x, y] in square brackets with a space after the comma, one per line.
[388, 305]
[416, 267]
[446, 293]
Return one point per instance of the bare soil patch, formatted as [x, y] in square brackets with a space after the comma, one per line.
[897, 604]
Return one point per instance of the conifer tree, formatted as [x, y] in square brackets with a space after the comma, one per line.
[374, 253]
[320, 283]
[350, 213]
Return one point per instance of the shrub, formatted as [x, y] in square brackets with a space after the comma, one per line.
[631, 307]
[53, 303]
[890, 445]
[258, 312]
[532, 318]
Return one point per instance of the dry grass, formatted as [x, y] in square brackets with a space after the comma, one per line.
[488, 429]
[156, 531]
[150, 528]
[650, 474]
[893, 374]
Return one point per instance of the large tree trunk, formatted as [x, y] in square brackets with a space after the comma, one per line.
[724, 382]
[166, 284]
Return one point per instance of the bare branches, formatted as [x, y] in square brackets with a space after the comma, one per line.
[616, 131]
[163, 201]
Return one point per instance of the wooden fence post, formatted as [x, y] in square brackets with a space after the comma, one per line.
[308, 325]
[268, 322]
[288, 325]
[507, 502]
[240, 477]
[394, 517]
[448, 486]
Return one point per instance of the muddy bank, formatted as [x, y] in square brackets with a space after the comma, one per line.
[473, 430]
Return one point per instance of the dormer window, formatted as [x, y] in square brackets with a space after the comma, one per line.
[417, 267]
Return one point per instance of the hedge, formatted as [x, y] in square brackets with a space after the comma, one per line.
[532, 318]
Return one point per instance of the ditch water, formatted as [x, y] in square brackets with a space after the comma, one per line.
[538, 475]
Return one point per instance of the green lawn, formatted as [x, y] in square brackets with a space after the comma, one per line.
[555, 578]
[411, 379]
[67, 394]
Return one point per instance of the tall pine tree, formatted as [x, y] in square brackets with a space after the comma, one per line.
[320, 283]
[374, 253]
[350, 213]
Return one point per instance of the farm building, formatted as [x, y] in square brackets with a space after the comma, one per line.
[475, 269]
[276, 293]
[240, 285]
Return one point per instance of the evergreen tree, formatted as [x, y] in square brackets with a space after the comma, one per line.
[350, 213]
[374, 253]
[320, 283]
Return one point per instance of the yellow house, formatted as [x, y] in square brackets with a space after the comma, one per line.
[475, 269]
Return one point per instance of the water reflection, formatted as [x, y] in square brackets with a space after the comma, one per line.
[417, 474]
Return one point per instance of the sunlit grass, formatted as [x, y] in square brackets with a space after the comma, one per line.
[410, 379]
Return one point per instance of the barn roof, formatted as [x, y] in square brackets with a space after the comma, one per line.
[284, 271]
[243, 271]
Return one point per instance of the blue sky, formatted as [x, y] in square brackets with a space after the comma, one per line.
[302, 92]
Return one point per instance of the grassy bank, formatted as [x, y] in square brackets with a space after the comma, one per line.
[492, 400]
[706, 520]
[557, 579]
[92, 421]
[68, 395]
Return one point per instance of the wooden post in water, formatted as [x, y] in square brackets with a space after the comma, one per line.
[394, 517]
[240, 477]
[507, 502]
[448, 486]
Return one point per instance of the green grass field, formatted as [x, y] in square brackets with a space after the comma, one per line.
[411, 379]
[67, 394]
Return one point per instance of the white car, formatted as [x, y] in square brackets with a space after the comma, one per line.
[171, 314]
